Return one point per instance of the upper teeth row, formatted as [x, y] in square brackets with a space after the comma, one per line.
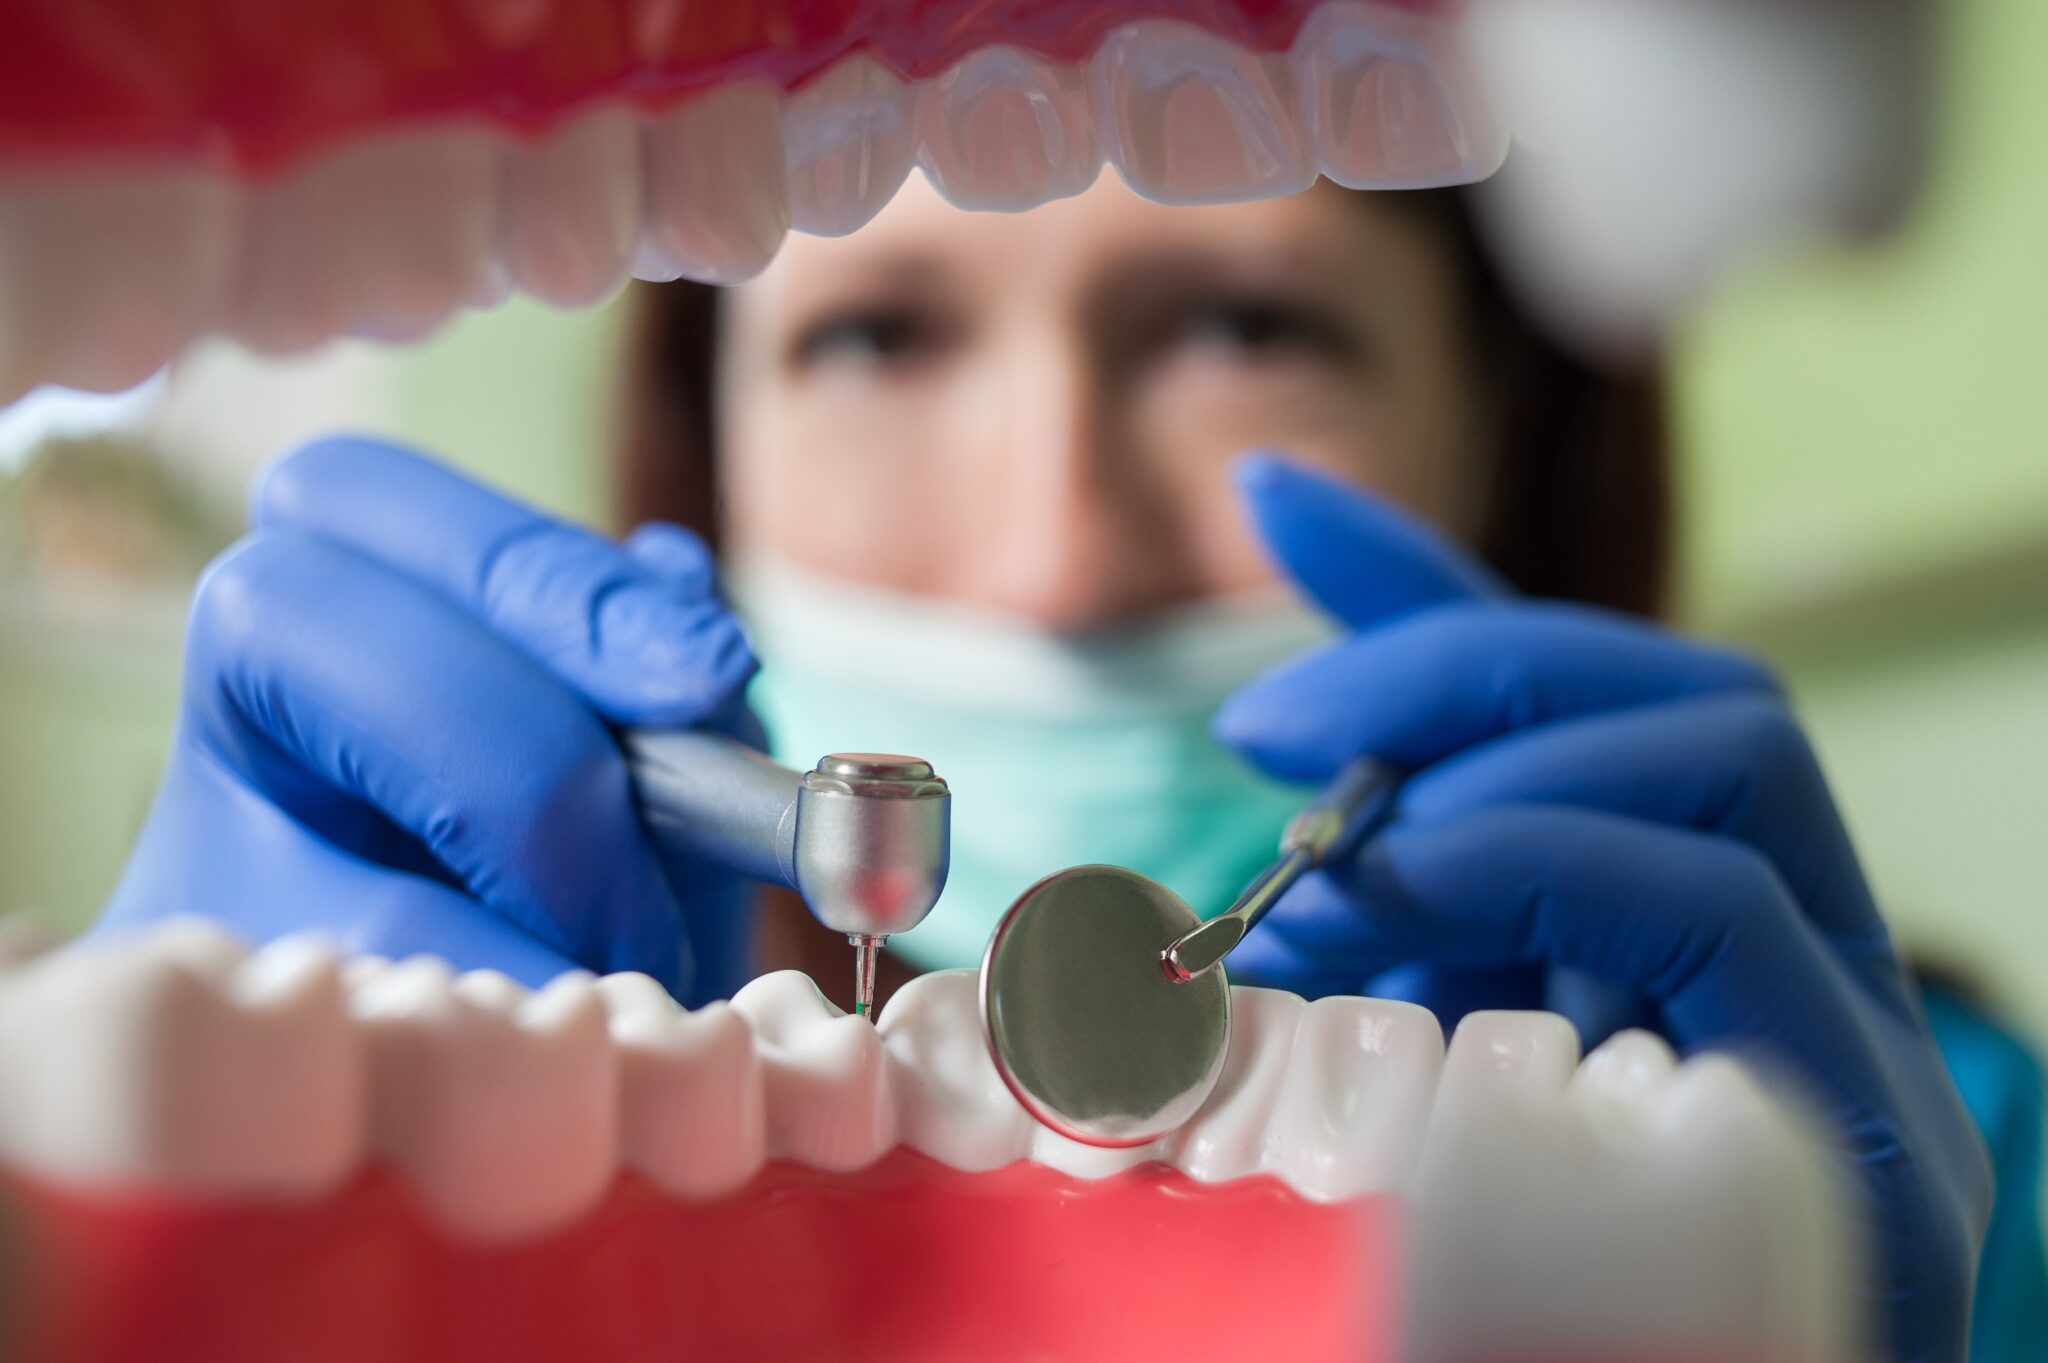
[102, 280]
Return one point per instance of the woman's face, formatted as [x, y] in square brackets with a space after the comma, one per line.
[1036, 413]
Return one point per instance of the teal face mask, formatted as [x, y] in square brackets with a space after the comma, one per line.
[1059, 751]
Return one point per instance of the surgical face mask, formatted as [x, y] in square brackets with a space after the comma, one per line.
[1059, 751]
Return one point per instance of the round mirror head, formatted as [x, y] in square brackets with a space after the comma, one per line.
[1083, 1023]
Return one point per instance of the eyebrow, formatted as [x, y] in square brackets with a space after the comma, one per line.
[893, 269]
[1175, 270]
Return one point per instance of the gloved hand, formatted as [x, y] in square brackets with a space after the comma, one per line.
[1591, 799]
[393, 730]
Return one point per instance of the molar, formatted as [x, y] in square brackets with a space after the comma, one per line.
[692, 1114]
[501, 1105]
[1353, 1112]
[1619, 1083]
[571, 212]
[1546, 1201]
[1389, 101]
[382, 239]
[101, 281]
[181, 1063]
[826, 1086]
[1187, 117]
[850, 135]
[1006, 131]
[718, 204]
[951, 1103]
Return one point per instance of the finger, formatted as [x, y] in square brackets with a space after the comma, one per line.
[311, 670]
[636, 643]
[1735, 764]
[1416, 691]
[675, 555]
[1362, 559]
[1701, 926]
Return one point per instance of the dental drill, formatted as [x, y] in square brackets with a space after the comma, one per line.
[863, 838]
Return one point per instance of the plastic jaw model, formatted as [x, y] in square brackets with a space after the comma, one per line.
[217, 1155]
[170, 170]
[212, 1154]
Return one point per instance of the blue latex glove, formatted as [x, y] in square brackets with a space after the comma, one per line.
[393, 730]
[1591, 800]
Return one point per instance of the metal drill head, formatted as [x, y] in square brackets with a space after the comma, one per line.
[873, 842]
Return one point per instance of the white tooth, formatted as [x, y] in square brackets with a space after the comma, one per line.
[850, 137]
[1232, 1134]
[717, 203]
[572, 210]
[950, 1102]
[1389, 99]
[1187, 117]
[1635, 1200]
[1501, 1055]
[1616, 1085]
[692, 1112]
[490, 989]
[357, 972]
[102, 280]
[198, 944]
[631, 995]
[1763, 1203]
[292, 1072]
[1005, 130]
[148, 1064]
[384, 239]
[504, 1118]
[822, 1073]
[1353, 1113]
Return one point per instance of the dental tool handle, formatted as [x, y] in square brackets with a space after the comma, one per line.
[715, 798]
[1355, 804]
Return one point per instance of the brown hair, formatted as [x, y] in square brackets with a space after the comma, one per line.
[1580, 506]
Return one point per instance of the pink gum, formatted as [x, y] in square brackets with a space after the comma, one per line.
[907, 1261]
[247, 86]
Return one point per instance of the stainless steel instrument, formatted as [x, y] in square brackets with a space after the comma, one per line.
[863, 838]
[1101, 1001]
[1354, 804]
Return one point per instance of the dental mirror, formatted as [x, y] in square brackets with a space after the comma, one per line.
[1085, 1027]
[1103, 999]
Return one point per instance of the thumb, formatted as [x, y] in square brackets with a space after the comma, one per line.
[1361, 559]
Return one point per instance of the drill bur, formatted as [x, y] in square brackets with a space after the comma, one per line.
[867, 950]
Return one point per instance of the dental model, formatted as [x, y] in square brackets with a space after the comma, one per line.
[168, 171]
[207, 1153]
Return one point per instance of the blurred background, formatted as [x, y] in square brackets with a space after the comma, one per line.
[1865, 501]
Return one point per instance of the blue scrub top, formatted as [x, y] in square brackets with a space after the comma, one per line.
[2001, 1084]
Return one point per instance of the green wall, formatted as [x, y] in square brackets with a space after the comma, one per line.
[1866, 492]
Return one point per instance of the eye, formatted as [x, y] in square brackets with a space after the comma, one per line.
[879, 337]
[1254, 329]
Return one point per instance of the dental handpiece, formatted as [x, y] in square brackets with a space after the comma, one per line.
[863, 838]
